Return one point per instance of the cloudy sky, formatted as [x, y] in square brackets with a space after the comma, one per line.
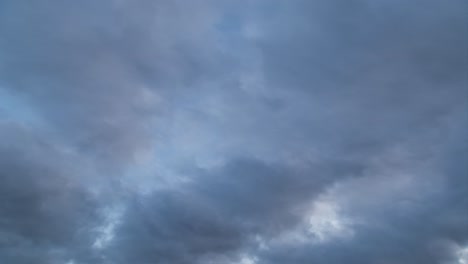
[233, 132]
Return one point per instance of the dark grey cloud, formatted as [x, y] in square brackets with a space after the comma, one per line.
[413, 214]
[367, 67]
[221, 211]
[46, 217]
[106, 72]
[384, 74]
[252, 132]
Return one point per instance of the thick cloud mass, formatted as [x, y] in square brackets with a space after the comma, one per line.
[251, 132]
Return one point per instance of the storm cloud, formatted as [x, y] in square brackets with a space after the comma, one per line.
[251, 132]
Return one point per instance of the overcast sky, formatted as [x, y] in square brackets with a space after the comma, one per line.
[234, 132]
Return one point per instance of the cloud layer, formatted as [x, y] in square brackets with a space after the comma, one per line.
[251, 132]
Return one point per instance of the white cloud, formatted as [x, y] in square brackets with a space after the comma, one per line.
[463, 255]
[326, 222]
[106, 231]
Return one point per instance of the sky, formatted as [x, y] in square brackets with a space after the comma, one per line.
[234, 132]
